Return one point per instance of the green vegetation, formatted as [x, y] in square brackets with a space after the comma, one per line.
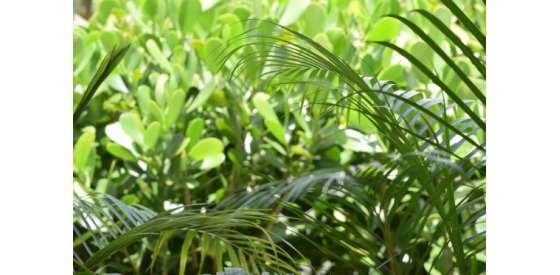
[281, 136]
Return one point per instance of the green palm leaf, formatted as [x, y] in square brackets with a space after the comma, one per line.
[109, 63]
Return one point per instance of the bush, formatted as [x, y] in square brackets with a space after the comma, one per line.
[279, 137]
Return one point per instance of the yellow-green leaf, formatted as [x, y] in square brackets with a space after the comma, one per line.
[174, 107]
[120, 152]
[207, 147]
[158, 56]
[132, 126]
[83, 149]
[152, 134]
[276, 129]
[260, 101]
[155, 111]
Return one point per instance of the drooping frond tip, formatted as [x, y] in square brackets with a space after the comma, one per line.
[110, 62]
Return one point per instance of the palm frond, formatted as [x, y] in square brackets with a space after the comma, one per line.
[395, 116]
[111, 226]
[109, 63]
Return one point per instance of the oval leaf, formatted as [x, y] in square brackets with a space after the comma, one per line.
[120, 152]
[207, 147]
[152, 134]
[132, 126]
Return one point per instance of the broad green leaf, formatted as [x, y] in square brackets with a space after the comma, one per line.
[450, 77]
[116, 82]
[465, 92]
[424, 54]
[79, 43]
[143, 98]
[276, 129]
[260, 102]
[180, 55]
[120, 152]
[158, 56]
[385, 29]
[213, 50]
[174, 107]
[108, 39]
[171, 39]
[105, 9]
[83, 149]
[217, 98]
[85, 58]
[173, 13]
[323, 40]
[393, 73]
[356, 9]
[152, 134]
[367, 65]
[156, 112]
[132, 126]
[293, 11]
[444, 15]
[250, 52]
[242, 13]
[129, 199]
[150, 7]
[188, 15]
[192, 66]
[315, 18]
[207, 147]
[194, 131]
[339, 41]
[212, 162]
[232, 28]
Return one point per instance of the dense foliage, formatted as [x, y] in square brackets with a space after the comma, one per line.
[282, 135]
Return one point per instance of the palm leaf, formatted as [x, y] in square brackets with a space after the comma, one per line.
[109, 63]
[112, 226]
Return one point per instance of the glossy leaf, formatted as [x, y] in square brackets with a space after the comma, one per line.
[120, 152]
[207, 147]
[152, 134]
[174, 107]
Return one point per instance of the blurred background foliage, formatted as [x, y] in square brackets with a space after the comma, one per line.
[329, 180]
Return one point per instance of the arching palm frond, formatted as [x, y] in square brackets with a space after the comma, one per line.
[426, 133]
[106, 225]
[381, 210]
[109, 63]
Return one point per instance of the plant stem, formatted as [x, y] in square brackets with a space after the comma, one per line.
[132, 263]
[164, 263]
